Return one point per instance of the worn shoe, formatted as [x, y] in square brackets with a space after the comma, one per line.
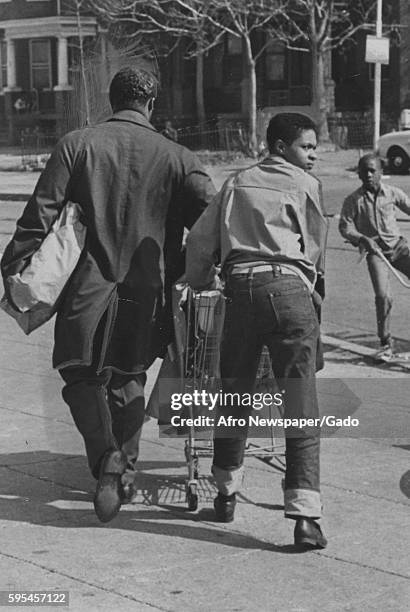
[109, 491]
[225, 507]
[385, 353]
[308, 534]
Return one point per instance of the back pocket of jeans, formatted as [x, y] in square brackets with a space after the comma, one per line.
[294, 312]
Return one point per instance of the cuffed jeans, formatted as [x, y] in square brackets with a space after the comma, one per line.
[399, 257]
[273, 310]
[108, 410]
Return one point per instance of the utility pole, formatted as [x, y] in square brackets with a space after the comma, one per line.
[377, 79]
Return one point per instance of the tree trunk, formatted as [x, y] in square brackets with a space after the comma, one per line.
[250, 80]
[82, 64]
[176, 82]
[200, 102]
[319, 92]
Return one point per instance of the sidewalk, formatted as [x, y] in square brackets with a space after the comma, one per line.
[157, 556]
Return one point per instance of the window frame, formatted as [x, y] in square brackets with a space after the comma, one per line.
[40, 64]
[3, 64]
[270, 53]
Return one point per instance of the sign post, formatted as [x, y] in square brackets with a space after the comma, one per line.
[377, 52]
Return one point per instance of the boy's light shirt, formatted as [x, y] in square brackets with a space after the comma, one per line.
[270, 212]
[373, 215]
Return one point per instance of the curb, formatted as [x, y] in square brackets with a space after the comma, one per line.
[345, 345]
[15, 197]
[364, 351]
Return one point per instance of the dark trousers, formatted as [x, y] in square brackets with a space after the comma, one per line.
[399, 257]
[277, 311]
[108, 410]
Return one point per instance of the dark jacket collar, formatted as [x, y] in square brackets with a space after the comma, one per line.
[132, 116]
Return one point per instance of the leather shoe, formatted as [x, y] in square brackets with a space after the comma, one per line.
[108, 494]
[308, 534]
[224, 507]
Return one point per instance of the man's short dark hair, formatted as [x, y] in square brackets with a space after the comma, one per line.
[132, 85]
[287, 127]
[370, 157]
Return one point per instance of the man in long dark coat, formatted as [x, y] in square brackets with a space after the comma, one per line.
[137, 190]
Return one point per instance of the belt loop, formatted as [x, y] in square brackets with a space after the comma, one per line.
[249, 276]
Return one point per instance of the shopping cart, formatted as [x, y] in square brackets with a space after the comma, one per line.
[204, 316]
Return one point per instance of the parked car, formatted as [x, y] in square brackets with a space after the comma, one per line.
[394, 148]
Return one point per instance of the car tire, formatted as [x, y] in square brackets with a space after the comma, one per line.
[398, 160]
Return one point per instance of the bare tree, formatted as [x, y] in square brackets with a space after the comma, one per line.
[242, 19]
[317, 27]
[163, 25]
[91, 62]
[78, 7]
[204, 23]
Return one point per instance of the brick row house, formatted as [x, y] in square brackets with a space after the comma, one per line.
[38, 51]
[39, 84]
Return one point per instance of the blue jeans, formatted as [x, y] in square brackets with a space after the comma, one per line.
[274, 310]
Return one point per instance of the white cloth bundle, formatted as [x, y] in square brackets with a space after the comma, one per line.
[35, 291]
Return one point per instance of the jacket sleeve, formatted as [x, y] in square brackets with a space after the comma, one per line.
[204, 245]
[314, 223]
[347, 224]
[44, 206]
[402, 201]
[320, 263]
[197, 191]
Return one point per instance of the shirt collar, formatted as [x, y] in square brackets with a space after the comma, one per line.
[278, 160]
[132, 116]
[382, 190]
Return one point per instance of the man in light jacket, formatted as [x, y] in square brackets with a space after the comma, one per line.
[267, 229]
[138, 191]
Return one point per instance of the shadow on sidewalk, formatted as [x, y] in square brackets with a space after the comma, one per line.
[405, 484]
[35, 489]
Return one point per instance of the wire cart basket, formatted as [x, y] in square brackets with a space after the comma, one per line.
[204, 316]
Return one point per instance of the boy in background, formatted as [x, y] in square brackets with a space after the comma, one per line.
[368, 220]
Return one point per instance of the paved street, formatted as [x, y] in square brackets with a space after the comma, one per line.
[157, 556]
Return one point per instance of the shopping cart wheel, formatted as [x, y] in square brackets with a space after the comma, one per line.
[192, 496]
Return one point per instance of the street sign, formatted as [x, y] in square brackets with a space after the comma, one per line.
[377, 49]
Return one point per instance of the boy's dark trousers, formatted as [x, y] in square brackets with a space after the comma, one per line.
[274, 309]
[399, 257]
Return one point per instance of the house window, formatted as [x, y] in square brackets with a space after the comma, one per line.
[275, 61]
[385, 72]
[234, 45]
[40, 63]
[3, 64]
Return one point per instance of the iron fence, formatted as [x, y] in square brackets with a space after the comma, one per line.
[357, 132]
[229, 138]
[35, 149]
